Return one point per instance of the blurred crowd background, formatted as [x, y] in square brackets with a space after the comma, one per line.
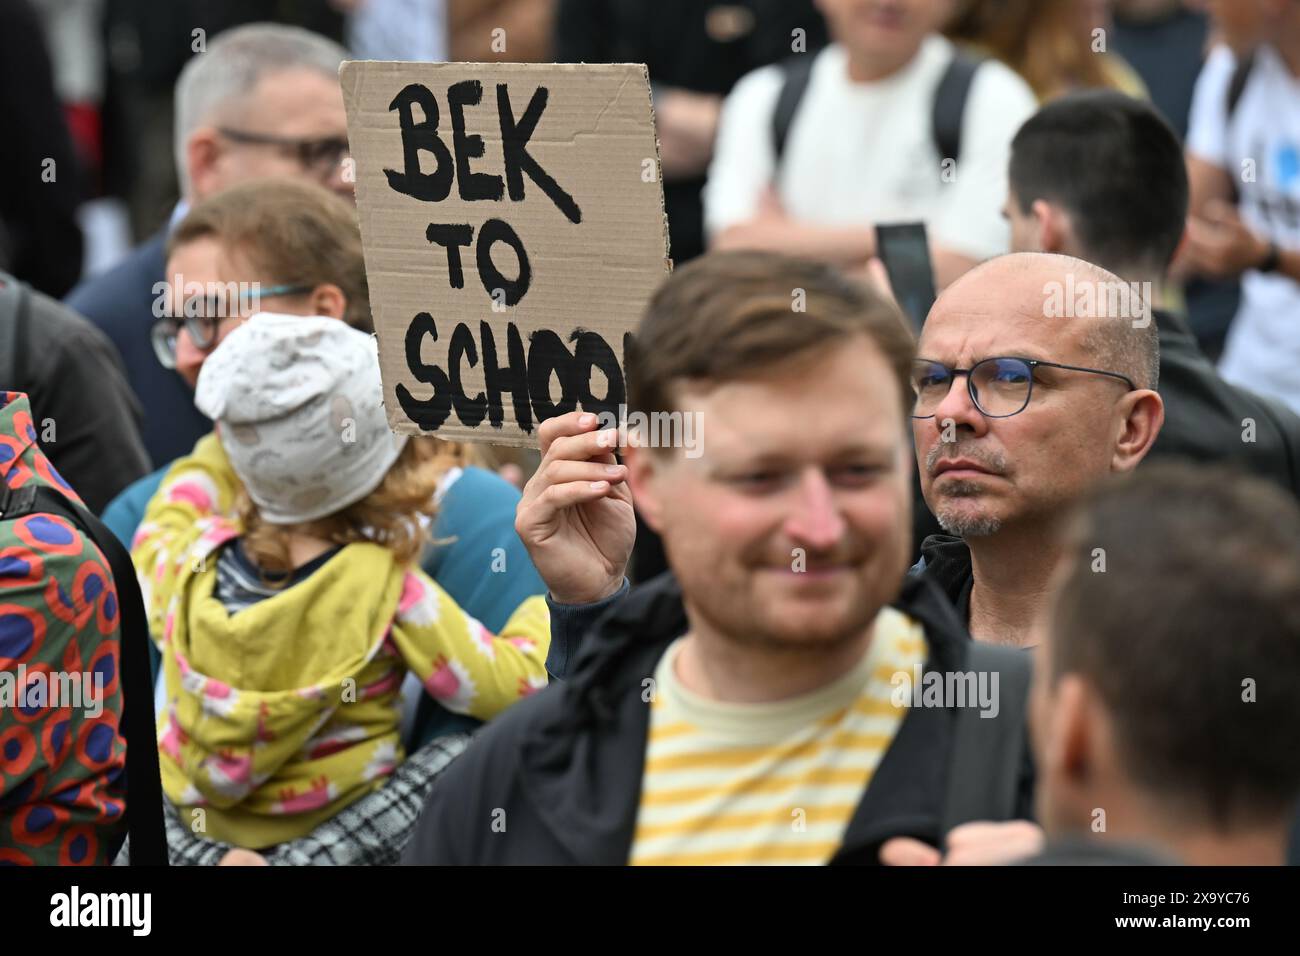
[89, 83]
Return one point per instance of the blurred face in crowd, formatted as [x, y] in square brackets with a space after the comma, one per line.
[292, 123]
[980, 473]
[792, 528]
[204, 279]
[1240, 23]
[1025, 229]
[883, 29]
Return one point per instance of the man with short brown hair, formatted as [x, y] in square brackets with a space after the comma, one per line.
[756, 705]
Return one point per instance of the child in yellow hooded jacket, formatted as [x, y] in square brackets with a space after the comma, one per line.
[286, 632]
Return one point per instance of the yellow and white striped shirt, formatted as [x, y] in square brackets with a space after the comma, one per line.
[768, 783]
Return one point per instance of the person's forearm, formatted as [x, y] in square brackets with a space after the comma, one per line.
[1205, 181]
[949, 266]
[849, 246]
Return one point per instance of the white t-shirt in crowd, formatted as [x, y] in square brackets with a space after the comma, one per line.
[864, 154]
[1260, 150]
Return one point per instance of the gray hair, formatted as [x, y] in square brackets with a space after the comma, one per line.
[235, 61]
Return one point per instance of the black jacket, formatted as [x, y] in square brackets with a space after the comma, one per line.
[557, 778]
[85, 414]
[1204, 415]
[948, 566]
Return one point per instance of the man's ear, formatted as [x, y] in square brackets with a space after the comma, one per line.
[328, 300]
[1142, 415]
[203, 152]
[1073, 741]
[644, 467]
[1054, 230]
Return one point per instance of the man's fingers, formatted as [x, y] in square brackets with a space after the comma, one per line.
[588, 446]
[572, 423]
[905, 851]
[560, 472]
[545, 509]
[984, 844]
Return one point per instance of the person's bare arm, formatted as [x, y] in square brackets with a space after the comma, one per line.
[687, 123]
[949, 266]
[1205, 182]
[849, 247]
[844, 246]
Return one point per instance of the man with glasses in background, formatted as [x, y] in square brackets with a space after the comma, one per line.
[1035, 378]
[264, 100]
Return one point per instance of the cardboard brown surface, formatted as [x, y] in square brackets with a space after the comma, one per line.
[595, 237]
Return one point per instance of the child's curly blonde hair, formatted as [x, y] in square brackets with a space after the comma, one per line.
[390, 515]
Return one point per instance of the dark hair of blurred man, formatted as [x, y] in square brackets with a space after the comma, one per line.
[1164, 703]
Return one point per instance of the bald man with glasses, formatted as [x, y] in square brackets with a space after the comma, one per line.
[1023, 406]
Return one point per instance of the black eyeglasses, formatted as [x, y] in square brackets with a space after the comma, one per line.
[321, 155]
[203, 322]
[999, 387]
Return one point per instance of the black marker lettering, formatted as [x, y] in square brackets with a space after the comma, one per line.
[434, 186]
[514, 146]
[592, 351]
[473, 186]
[452, 238]
[493, 231]
[431, 412]
[513, 378]
[470, 411]
[546, 354]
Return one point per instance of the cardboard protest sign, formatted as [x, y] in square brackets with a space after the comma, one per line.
[513, 224]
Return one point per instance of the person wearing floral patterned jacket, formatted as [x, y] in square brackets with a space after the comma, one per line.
[62, 757]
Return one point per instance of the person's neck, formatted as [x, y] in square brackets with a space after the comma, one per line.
[1142, 275]
[1137, 820]
[722, 669]
[1011, 572]
[1287, 44]
[1129, 273]
[304, 547]
[874, 67]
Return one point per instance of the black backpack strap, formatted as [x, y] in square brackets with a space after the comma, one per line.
[15, 305]
[1237, 85]
[987, 755]
[796, 73]
[950, 104]
[144, 810]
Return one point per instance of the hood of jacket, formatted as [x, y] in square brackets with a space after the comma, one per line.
[247, 692]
